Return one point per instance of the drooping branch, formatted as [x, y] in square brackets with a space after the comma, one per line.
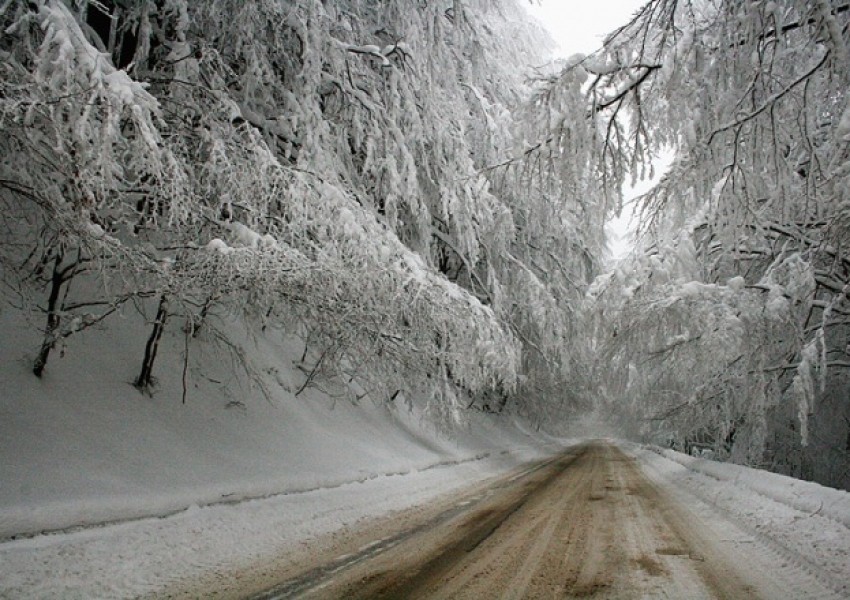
[769, 102]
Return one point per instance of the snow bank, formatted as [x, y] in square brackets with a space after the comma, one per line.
[804, 496]
[212, 551]
[203, 492]
[802, 526]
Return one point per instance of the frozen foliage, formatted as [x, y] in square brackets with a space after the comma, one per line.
[746, 352]
[321, 167]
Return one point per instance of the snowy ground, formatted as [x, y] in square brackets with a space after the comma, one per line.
[781, 523]
[82, 446]
[591, 523]
[152, 557]
[238, 476]
[207, 491]
[161, 557]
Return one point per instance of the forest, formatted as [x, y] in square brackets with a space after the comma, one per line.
[419, 193]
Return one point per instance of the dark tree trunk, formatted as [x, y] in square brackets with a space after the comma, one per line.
[195, 326]
[53, 319]
[143, 382]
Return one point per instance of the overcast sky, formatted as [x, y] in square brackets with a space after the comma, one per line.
[580, 25]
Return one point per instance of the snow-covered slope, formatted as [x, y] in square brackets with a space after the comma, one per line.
[82, 446]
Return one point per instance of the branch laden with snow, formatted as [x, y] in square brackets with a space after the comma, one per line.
[315, 166]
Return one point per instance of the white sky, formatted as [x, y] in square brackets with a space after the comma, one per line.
[580, 26]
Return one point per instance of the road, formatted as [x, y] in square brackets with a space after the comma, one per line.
[588, 524]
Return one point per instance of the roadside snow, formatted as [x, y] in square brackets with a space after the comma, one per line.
[805, 496]
[788, 524]
[151, 556]
[82, 446]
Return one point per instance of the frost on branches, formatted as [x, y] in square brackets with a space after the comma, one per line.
[734, 337]
[316, 167]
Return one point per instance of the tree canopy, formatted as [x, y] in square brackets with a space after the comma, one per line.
[728, 327]
[319, 167]
[420, 195]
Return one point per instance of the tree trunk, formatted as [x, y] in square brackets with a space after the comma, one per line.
[195, 326]
[53, 319]
[143, 382]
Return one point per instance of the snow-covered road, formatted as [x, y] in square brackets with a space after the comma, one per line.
[588, 524]
[681, 526]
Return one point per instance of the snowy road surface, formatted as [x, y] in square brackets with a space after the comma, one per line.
[589, 524]
[599, 521]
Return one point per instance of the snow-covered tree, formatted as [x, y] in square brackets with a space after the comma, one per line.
[752, 98]
[80, 150]
[343, 171]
